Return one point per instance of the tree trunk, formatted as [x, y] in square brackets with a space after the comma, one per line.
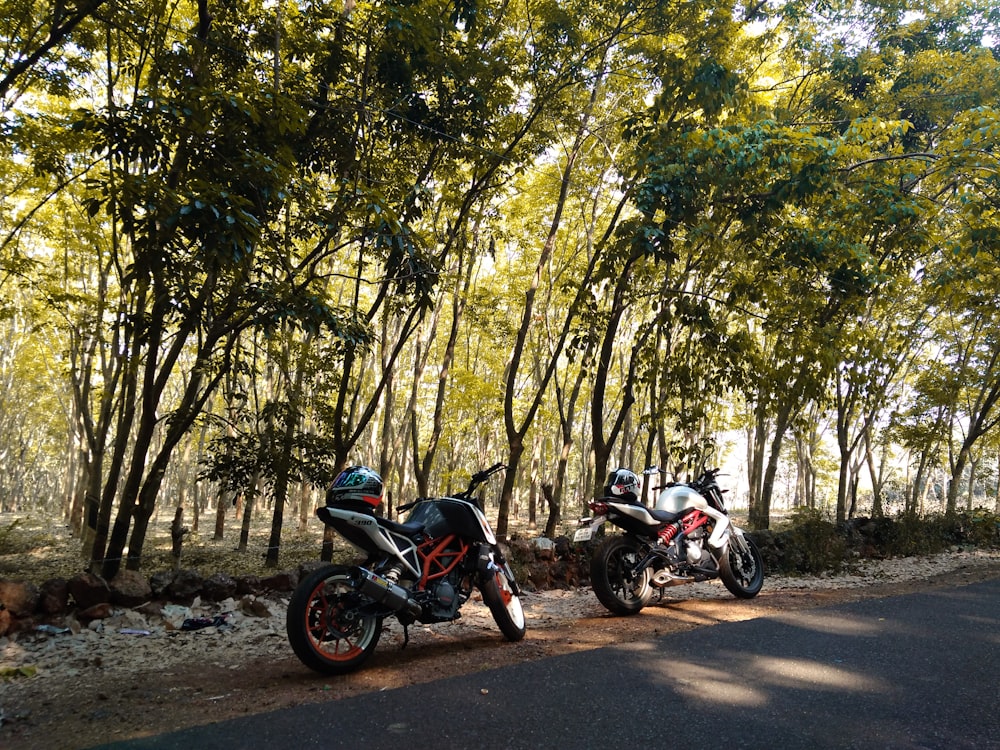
[516, 433]
[567, 417]
[996, 494]
[251, 496]
[533, 489]
[515, 451]
[326, 551]
[222, 500]
[760, 513]
[177, 534]
[293, 385]
[552, 523]
[604, 444]
[281, 490]
[877, 476]
[756, 439]
[973, 466]
[955, 480]
[755, 473]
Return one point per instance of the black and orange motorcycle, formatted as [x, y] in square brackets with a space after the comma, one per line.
[422, 570]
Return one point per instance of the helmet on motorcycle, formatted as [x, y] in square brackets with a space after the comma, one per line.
[624, 484]
[356, 484]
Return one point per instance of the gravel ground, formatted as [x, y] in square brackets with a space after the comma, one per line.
[133, 675]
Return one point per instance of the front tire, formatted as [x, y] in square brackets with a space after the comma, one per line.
[504, 605]
[611, 575]
[742, 568]
[326, 626]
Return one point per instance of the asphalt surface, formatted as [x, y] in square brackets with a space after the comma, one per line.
[920, 671]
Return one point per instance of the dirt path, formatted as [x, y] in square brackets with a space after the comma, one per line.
[93, 687]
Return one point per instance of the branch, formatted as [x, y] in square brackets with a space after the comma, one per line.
[57, 35]
[892, 157]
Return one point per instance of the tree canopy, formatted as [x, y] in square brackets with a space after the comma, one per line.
[244, 245]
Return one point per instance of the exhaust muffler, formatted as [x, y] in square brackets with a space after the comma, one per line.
[386, 592]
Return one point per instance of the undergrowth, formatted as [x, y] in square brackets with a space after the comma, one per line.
[809, 543]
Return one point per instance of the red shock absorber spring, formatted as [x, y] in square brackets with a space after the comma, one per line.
[667, 533]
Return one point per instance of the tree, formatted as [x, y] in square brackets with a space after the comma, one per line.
[972, 344]
[36, 45]
[421, 220]
[197, 260]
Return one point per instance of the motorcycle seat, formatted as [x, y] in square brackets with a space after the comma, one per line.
[664, 516]
[411, 530]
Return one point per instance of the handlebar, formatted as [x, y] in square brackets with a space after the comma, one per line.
[407, 506]
[477, 479]
[480, 476]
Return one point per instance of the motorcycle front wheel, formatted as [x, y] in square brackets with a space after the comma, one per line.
[742, 568]
[504, 605]
[616, 587]
[327, 627]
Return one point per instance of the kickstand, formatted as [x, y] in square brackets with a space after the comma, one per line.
[406, 635]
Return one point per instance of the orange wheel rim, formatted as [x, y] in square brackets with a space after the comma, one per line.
[337, 649]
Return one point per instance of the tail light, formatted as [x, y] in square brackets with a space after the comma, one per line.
[599, 508]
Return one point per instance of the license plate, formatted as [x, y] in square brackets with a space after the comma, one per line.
[584, 534]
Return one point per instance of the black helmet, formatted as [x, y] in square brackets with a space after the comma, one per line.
[356, 483]
[624, 484]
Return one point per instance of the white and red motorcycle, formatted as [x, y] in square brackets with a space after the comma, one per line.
[687, 537]
[422, 570]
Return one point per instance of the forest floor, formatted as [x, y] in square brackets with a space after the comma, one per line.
[115, 683]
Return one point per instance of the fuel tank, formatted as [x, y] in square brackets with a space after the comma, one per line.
[680, 497]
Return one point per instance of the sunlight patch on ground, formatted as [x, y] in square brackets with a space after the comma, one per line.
[716, 685]
[807, 674]
[823, 622]
[703, 683]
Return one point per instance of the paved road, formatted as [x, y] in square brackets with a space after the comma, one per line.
[904, 673]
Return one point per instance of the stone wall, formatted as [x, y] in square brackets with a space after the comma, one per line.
[88, 597]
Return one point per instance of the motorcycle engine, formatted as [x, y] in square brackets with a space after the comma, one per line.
[697, 554]
[446, 600]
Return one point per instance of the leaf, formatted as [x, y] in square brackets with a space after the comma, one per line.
[13, 673]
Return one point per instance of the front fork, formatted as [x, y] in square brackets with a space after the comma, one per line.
[491, 561]
[738, 541]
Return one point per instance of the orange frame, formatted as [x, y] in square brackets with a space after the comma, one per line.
[438, 560]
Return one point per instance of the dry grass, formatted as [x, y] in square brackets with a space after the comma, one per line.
[35, 549]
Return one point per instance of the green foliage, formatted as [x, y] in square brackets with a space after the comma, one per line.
[183, 191]
[236, 460]
[912, 535]
[810, 545]
[981, 527]
[12, 673]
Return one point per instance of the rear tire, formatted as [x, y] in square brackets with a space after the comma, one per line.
[325, 626]
[504, 604]
[742, 568]
[610, 575]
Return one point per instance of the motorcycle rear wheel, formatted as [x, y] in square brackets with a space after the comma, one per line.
[325, 626]
[742, 568]
[610, 575]
[504, 605]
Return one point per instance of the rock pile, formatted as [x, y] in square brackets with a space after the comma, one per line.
[542, 564]
[87, 598]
